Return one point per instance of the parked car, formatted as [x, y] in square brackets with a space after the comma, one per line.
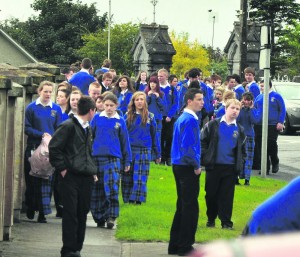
[290, 91]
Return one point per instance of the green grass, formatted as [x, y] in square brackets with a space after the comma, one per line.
[152, 221]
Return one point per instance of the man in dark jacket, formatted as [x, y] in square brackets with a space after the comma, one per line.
[70, 154]
[223, 153]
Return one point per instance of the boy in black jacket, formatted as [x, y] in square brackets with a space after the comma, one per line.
[70, 154]
[223, 154]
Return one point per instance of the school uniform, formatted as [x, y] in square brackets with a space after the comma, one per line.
[277, 112]
[38, 120]
[186, 152]
[112, 152]
[140, 86]
[143, 139]
[253, 88]
[247, 118]
[170, 111]
[123, 100]
[82, 80]
[239, 91]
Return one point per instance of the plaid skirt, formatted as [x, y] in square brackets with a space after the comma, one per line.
[134, 182]
[105, 192]
[250, 143]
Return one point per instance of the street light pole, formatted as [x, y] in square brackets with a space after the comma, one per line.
[213, 33]
[154, 2]
[108, 36]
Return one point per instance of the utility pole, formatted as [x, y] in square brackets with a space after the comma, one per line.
[154, 2]
[243, 38]
[108, 36]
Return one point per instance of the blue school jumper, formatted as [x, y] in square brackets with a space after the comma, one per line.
[82, 80]
[123, 100]
[140, 87]
[112, 152]
[254, 89]
[38, 120]
[239, 91]
[143, 139]
[247, 118]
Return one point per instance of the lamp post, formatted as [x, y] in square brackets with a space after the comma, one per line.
[108, 36]
[154, 2]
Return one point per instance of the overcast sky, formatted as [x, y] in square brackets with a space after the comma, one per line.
[190, 16]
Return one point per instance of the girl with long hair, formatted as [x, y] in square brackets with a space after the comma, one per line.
[141, 81]
[141, 127]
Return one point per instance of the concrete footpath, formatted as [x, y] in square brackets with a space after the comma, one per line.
[32, 239]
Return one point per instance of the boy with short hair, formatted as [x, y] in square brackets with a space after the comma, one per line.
[94, 90]
[252, 85]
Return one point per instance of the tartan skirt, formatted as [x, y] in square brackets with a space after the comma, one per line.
[134, 182]
[105, 192]
[250, 143]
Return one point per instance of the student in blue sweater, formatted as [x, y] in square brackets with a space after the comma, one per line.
[223, 154]
[169, 114]
[156, 103]
[143, 138]
[186, 152]
[124, 91]
[83, 78]
[62, 99]
[238, 89]
[141, 81]
[277, 112]
[247, 118]
[252, 85]
[42, 118]
[112, 153]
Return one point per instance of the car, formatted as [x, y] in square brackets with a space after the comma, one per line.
[290, 92]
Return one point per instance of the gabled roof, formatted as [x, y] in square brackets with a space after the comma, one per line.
[156, 39]
[20, 48]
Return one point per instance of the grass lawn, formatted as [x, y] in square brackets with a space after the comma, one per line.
[152, 221]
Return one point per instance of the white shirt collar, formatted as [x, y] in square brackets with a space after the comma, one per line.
[249, 84]
[209, 85]
[84, 70]
[164, 86]
[191, 112]
[84, 124]
[116, 116]
[38, 101]
[237, 86]
[124, 91]
[223, 119]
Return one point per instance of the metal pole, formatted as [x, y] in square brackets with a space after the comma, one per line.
[213, 33]
[264, 148]
[108, 37]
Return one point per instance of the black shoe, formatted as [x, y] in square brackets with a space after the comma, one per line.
[185, 251]
[275, 168]
[71, 254]
[210, 224]
[138, 203]
[41, 218]
[168, 162]
[172, 250]
[30, 214]
[237, 182]
[101, 224]
[228, 227]
[247, 182]
[59, 212]
[110, 223]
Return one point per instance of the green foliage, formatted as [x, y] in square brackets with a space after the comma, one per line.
[55, 34]
[188, 55]
[152, 221]
[122, 39]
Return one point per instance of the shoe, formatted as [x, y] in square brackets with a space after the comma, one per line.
[210, 224]
[110, 223]
[247, 182]
[101, 224]
[228, 227]
[71, 254]
[172, 250]
[186, 251]
[138, 203]
[237, 182]
[275, 168]
[30, 214]
[41, 218]
[168, 162]
[59, 212]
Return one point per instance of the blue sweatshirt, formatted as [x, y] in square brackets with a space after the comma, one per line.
[228, 136]
[40, 119]
[221, 111]
[247, 118]
[239, 91]
[156, 105]
[140, 86]
[254, 89]
[111, 138]
[82, 80]
[144, 136]
[277, 109]
[171, 97]
[186, 148]
[123, 100]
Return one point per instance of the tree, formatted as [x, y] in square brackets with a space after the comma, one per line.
[275, 12]
[188, 55]
[122, 39]
[55, 34]
[289, 47]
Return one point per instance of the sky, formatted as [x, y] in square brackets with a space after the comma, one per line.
[191, 16]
